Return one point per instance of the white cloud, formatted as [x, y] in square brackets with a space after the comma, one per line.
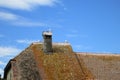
[78, 46]
[26, 41]
[20, 21]
[1, 71]
[30, 24]
[71, 35]
[8, 51]
[74, 33]
[82, 47]
[8, 16]
[26, 4]
[2, 63]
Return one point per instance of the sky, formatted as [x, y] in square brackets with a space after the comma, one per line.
[88, 25]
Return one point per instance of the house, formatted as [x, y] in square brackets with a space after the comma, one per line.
[57, 61]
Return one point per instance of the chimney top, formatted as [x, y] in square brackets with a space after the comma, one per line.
[47, 33]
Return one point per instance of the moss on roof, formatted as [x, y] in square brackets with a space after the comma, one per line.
[62, 64]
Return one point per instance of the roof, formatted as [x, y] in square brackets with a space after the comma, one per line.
[102, 66]
[62, 64]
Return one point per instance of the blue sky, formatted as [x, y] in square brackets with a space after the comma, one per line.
[89, 25]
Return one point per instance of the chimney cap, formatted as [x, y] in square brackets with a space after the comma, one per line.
[47, 33]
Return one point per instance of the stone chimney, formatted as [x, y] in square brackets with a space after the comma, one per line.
[47, 44]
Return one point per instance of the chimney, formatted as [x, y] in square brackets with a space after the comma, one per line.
[47, 44]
